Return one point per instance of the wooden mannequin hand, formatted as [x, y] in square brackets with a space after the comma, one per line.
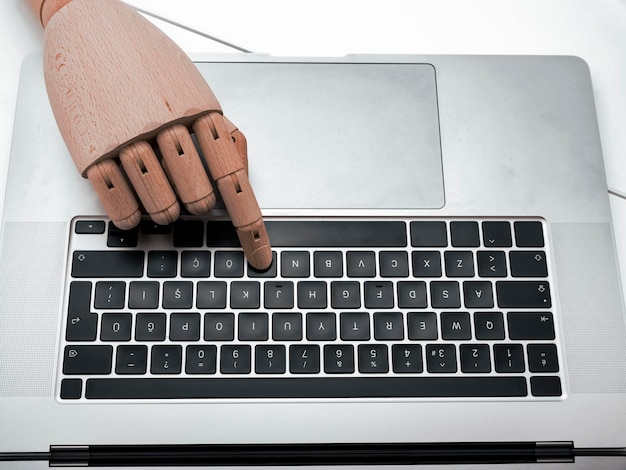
[119, 88]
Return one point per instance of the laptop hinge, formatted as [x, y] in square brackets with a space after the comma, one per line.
[311, 454]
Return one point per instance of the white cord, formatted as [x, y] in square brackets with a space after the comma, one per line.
[617, 193]
[192, 30]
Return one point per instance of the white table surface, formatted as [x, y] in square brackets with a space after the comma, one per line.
[594, 30]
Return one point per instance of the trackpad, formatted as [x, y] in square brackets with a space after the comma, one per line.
[336, 135]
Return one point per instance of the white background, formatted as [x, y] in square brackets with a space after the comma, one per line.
[592, 29]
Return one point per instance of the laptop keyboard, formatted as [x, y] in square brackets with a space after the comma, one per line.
[377, 308]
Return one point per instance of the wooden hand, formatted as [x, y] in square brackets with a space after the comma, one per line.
[120, 88]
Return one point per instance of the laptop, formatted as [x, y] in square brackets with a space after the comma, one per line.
[444, 288]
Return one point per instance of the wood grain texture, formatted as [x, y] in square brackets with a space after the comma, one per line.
[150, 182]
[115, 194]
[185, 169]
[113, 78]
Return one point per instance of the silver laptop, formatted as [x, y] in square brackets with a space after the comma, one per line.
[444, 287]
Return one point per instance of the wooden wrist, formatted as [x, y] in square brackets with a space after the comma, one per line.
[45, 9]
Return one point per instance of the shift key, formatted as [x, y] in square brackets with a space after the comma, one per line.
[523, 294]
[91, 359]
[110, 263]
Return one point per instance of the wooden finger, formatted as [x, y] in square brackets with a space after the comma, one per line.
[114, 192]
[227, 168]
[150, 183]
[185, 169]
[241, 144]
[245, 214]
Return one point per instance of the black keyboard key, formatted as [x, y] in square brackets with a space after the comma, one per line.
[475, 358]
[464, 234]
[295, 264]
[488, 325]
[509, 358]
[339, 359]
[219, 326]
[229, 264]
[278, 295]
[162, 263]
[253, 326]
[445, 294]
[441, 358]
[90, 359]
[89, 227]
[455, 325]
[245, 294]
[150, 327]
[195, 264]
[177, 294]
[412, 294]
[497, 234]
[287, 326]
[312, 294]
[236, 359]
[222, 233]
[211, 294]
[331, 233]
[150, 227]
[110, 294]
[71, 389]
[321, 327]
[112, 263]
[166, 359]
[379, 294]
[307, 387]
[394, 264]
[81, 323]
[429, 233]
[528, 234]
[115, 327]
[491, 264]
[270, 272]
[373, 358]
[122, 238]
[131, 359]
[543, 358]
[388, 326]
[478, 294]
[328, 264]
[523, 294]
[345, 294]
[528, 264]
[530, 325]
[545, 386]
[361, 264]
[304, 359]
[185, 327]
[422, 325]
[459, 263]
[201, 359]
[270, 359]
[426, 264]
[188, 233]
[354, 326]
[407, 358]
[143, 295]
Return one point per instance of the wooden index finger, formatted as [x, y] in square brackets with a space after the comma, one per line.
[227, 168]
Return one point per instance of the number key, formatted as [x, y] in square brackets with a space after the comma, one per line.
[235, 359]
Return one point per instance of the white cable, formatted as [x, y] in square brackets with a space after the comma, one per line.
[617, 193]
[192, 30]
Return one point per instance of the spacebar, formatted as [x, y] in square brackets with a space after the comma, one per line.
[301, 387]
